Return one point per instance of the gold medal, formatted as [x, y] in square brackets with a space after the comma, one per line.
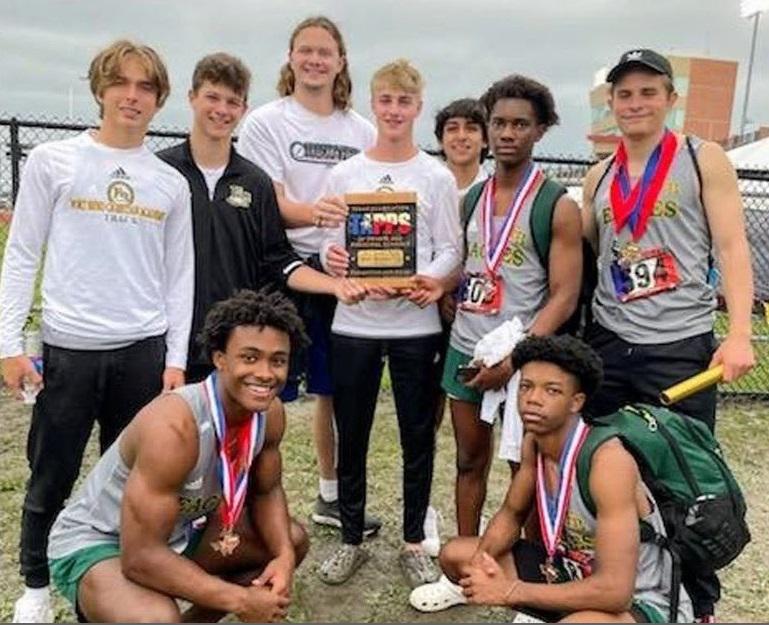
[629, 254]
[227, 542]
[549, 571]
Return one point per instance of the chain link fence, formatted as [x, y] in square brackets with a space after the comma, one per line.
[18, 137]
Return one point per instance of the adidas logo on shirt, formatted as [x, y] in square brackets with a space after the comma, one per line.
[386, 183]
[119, 174]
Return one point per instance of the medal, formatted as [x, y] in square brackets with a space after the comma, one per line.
[233, 467]
[634, 206]
[629, 253]
[553, 512]
[227, 542]
[549, 571]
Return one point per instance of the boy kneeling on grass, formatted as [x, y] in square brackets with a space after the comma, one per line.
[592, 568]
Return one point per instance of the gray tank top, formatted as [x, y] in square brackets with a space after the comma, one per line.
[653, 571]
[92, 516]
[678, 225]
[524, 280]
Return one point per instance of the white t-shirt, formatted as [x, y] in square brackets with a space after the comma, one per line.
[212, 176]
[119, 264]
[438, 240]
[297, 148]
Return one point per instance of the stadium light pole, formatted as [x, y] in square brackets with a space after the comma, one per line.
[748, 9]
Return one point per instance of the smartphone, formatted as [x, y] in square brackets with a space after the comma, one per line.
[467, 372]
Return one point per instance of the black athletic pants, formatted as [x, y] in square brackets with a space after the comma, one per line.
[80, 387]
[356, 370]
[637, 373]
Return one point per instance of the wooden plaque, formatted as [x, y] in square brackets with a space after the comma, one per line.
[381, 237]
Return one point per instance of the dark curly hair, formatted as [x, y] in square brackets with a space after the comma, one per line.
[523, 88]
[566, 352]
[469, 108]
[263, 308]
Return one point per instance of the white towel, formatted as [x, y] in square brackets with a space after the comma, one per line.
[490, 350]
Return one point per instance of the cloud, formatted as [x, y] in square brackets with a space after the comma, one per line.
[461, 46]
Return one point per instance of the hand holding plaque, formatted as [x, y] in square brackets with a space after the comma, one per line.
[424, 290]
[381, 237]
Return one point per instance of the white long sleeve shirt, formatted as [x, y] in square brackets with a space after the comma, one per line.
[438, 240]
[116, 228]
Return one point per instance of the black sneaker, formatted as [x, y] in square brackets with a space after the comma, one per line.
[327, 513]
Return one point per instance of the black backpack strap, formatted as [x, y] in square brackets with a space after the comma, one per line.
[675, 584]
[695, 162]
[605, 173]
[698, 171]
[601, 178]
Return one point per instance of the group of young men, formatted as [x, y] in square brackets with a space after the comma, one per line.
[165, 270]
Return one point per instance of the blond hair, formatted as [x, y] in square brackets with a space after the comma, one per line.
[399, 74]
[105, 68]
[342, 88]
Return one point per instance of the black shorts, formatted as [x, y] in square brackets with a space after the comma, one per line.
[529, 557]
[638, 373]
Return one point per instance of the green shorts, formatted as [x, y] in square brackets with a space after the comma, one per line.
[455, 389]
[66, 572]
[645, 612]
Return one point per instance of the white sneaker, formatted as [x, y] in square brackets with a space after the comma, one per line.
[437, 596]
[33, 610]
[520, 617]
[432, 542]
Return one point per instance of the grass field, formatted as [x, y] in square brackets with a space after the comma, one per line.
[378, 593]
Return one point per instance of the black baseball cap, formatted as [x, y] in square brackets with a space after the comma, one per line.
[643, 57]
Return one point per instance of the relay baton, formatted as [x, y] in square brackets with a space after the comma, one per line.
[692, 385]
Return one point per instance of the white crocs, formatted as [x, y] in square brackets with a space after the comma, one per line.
[437, 596]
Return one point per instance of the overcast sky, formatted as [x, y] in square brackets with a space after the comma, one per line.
[460, 47]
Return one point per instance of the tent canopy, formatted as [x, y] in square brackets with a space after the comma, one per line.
[753, 155]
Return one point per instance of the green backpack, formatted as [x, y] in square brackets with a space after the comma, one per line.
[541, 226]
[682, 464]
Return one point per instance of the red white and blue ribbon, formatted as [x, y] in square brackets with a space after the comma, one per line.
[495, 248]
[553, 511]
[233, 472]
[634, 206]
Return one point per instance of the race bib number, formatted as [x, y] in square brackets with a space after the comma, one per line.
[652, 272]
[481, 294]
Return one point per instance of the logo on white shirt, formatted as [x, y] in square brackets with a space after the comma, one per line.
[119, 174]
[321, 153]
[386, 183]
[120, 192]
